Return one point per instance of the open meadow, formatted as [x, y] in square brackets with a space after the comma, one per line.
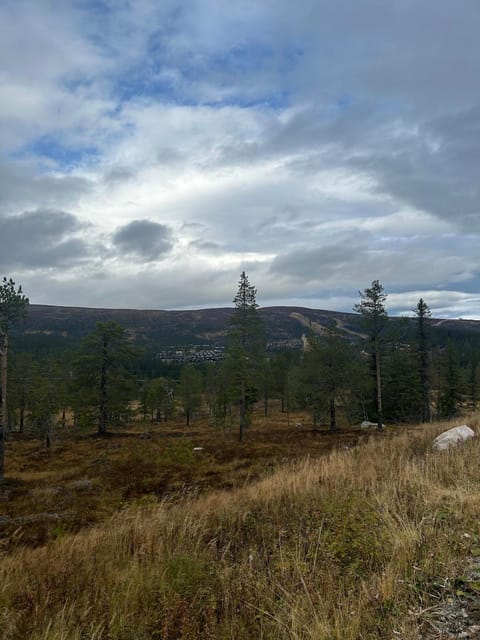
[290, 535]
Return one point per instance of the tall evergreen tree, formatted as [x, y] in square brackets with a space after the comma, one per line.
[104, 381]
[245, 351]
[401, 397]
[332, 368]
[13, 306]
[372, 308]
[423, 314]
[45, 401]
[451, 383]
[282, 368]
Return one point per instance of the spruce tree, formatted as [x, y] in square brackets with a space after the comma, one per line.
[372, 308]
[331, 368]
[423, 314]
[245, 351]
[451, 383]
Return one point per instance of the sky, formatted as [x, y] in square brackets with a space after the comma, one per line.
[150, 151]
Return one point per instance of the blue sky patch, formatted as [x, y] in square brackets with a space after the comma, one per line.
[49, 148]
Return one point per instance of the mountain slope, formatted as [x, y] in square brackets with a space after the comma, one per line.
[284, 326]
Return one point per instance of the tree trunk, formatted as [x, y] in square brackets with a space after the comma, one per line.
[243, 412]
[333, 415]
[3, 399]
[378, 377]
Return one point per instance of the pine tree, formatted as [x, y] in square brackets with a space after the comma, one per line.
[45, 401]
[105, 384]
[245, 351]
[13, 306]
[372, 308]
[157, 399]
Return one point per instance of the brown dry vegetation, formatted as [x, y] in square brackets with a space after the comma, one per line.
[85, 478]
[354, 544]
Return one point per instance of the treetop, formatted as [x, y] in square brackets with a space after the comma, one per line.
[12, 303]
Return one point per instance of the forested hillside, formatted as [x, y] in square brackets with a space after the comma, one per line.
[62, 326]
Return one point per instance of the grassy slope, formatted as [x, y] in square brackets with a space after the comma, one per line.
[351, 545]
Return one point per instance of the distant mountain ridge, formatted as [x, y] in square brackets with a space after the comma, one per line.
[283, 325]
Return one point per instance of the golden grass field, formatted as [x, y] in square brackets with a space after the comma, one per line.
[291, 535]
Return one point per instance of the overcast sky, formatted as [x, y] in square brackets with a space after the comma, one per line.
[151, 151]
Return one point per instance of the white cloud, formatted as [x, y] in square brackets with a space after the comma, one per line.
[319, 147]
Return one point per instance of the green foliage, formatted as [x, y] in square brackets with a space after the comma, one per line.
[190, 390]
[44, 402]
[423, 315]
[331, 370]
[157, 399]
[372, 309]
[13, 304]
[105, 386]
[451, 383]
[354, 535]
[245, 351]
[188, 576]
[402, 400]
[282, 366]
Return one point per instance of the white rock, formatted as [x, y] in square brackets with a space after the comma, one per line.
[452, 437]
[368, 425]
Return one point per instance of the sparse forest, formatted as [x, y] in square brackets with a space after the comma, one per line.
[101, 432]
[397, 371]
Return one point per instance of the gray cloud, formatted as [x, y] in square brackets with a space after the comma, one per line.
[40, 239]
[434, 168]
[353, 259]
[143, 239]
[206, 245]
[22, 187]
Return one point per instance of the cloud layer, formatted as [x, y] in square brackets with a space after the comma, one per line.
[152, 151]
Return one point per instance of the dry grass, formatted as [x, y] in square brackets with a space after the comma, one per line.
[351, 545]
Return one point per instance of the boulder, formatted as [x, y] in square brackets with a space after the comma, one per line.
[452, 438]
[368, 425]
